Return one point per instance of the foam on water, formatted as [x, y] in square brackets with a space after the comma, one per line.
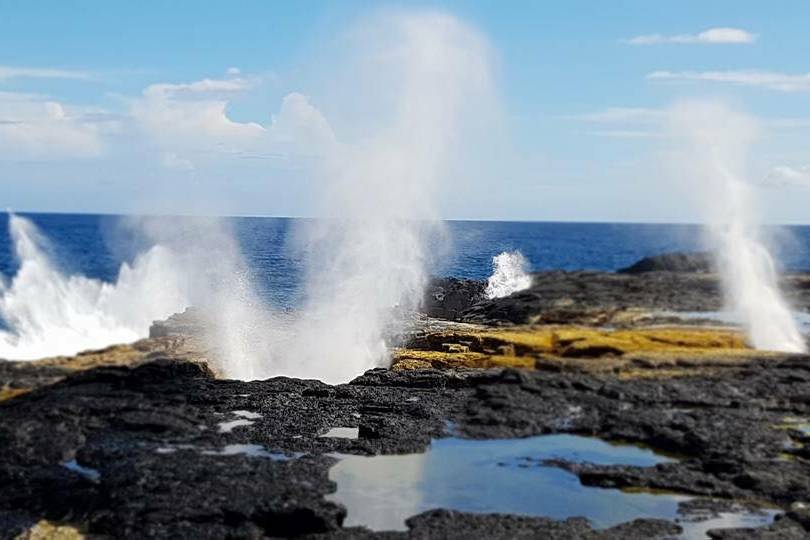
[47, 312]
[510, 275]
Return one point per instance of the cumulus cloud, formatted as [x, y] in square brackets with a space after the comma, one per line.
[186, 125]
[37, 127]
[191, 120]
[16, 72]
[783, 82]
[712, 36]
[192, 115]
[788, 176]
[301, 123]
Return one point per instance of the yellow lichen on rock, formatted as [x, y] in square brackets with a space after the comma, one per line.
[45, 530]
[559, 340]
[580, 341]
[7, 392]
[636, 351]
[405, 359]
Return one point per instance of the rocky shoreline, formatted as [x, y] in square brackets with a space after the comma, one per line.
[143, 441]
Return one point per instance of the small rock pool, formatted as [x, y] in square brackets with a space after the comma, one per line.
[507, 476]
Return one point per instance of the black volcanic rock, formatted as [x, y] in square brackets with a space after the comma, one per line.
[584, 297]
[671, 262]
[560, 297]
[188, 323]
[151, 436]
[447, 298]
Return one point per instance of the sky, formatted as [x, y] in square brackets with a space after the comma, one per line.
[226, 107]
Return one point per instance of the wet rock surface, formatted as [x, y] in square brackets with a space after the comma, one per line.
[143, 441]
[671, 262]
[152, 456]
[598, 298]
[447, 298]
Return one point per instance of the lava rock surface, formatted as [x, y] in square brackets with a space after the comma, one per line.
[671, 262]
[150, 443]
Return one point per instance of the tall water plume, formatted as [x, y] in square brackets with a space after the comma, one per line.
[717, 140]
[416, 82]
[244, 336]
[371, 258]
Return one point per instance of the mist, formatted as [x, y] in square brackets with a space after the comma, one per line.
[715, 145]
[368, 264]
[419, 85]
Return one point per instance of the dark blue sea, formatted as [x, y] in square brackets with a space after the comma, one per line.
[95, 246]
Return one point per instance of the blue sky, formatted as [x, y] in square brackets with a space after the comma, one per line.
[102, 108]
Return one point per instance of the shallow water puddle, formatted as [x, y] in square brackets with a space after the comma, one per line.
[250, 450]
[725, 520]
[227, 427]
[730, 318]
[502, 475]
[87, 472]
[250, 415]
[342, 433]
[244, 418]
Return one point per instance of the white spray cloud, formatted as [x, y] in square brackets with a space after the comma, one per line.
[368, 260]
[50, 313]
[510, 275]
[713, 161]
[373, 256]
[245, 337]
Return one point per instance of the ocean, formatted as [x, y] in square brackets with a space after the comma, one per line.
[95, 246]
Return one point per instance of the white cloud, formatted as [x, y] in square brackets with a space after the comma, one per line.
[783, 82]
[299, 122]
[191, 120]
[12, 72]
[192, 114]
[187, 125]
[624, 114]
[645, 122]
[174, 162]
[205, 86]
[627, 133]
[36, 127]
[712, 36]
[788, 176]
[625, 122]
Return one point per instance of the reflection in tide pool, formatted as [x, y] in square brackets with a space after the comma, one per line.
[729, 318]
[496, 476]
